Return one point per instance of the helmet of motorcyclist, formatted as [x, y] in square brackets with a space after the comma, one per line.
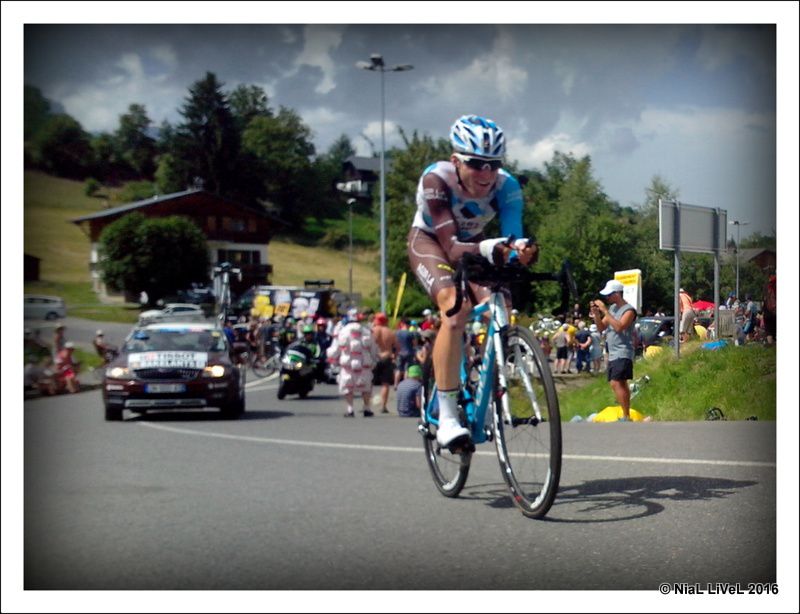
[477, 136]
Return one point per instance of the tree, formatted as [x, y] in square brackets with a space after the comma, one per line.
[37, 110]
[136, 148]
[248, 102]
[61, 147]
[280, 148]
[132, 255]
[207, 141]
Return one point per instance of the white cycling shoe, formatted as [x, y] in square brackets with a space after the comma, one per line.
[449, 431]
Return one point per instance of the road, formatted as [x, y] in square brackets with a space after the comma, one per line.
[294, 496]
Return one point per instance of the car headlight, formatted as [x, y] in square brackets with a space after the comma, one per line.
[118, 372]
[214, 371]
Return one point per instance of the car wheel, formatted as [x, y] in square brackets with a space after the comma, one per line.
[113, 414]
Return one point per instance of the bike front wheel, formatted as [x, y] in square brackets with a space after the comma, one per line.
[528, 432]
[448, 469]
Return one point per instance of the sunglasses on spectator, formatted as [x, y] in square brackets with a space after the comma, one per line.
[480, 164]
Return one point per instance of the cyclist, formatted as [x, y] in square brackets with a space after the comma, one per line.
[455, 201]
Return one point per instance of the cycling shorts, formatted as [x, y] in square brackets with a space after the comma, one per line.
[433, 270]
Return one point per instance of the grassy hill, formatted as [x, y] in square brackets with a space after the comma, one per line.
[51, 202]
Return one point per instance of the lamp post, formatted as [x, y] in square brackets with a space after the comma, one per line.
[350, 203]
[738, 225]
[376, 64]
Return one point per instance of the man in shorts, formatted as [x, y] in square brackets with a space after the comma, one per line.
[618, 318]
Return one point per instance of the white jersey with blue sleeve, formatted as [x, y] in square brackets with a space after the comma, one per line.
[473, 214]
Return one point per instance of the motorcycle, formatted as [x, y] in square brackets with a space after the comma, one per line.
[297, 373]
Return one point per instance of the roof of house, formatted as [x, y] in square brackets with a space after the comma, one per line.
[373, 165]
[141, 204]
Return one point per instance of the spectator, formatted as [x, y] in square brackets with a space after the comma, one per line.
[66, 369]
[618, 319]
[583, 341]
[355, 350]
[596, 349]
[59, 339]
[105, 350]
[687, 315]
[425, 353]
[428, 323]
[560, 341]
[383, 373]
[406, 341]
[409, 393]
[770, 305]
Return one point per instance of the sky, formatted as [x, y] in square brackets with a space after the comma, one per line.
[693, 104]
[712, 109]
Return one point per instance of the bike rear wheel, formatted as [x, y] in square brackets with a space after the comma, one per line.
[528, 443]
[449, 470]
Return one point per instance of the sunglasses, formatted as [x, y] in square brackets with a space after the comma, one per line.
[480, 164]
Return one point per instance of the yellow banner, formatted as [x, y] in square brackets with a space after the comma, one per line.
[400, 291]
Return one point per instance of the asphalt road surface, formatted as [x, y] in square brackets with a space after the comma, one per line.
[294, 496]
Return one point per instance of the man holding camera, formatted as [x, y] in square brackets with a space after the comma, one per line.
[618, 317]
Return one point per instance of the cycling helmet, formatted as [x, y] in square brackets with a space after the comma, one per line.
[476, 136]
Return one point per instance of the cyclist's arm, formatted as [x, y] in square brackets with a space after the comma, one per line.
[437, 197]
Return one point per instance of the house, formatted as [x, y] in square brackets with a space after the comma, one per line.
[234, 232]
[368, 171]
[764, 258]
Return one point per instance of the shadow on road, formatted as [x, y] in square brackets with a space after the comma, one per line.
[614, 500]
[627, 498]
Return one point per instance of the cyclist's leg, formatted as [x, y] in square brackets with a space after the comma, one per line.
[434, 272]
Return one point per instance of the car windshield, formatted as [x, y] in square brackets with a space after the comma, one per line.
[177, 339]
[648, 329]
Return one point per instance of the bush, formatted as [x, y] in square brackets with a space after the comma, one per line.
[91, 187]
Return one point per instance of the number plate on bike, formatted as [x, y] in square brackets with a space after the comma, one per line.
[160, 388]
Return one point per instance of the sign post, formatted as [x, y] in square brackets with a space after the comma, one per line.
[692, 229]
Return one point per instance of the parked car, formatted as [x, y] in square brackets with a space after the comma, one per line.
[197, 295]
[654, 330]
[40, 306]
[174, 366]
[173, 312]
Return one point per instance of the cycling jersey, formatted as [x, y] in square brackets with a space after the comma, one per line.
[473, 214]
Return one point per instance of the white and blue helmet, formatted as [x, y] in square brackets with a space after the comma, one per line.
[477, 136]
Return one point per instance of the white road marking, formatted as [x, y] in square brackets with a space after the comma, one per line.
[418, 450]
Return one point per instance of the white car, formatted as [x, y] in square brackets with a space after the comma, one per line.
[39, 307]
[173, 312]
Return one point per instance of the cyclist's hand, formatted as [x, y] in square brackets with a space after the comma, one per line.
[529, 254]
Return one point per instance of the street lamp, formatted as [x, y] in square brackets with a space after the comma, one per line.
[350, 203]
[376, 64]
[738, 225]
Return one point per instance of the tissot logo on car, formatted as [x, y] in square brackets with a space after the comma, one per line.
[195, 360]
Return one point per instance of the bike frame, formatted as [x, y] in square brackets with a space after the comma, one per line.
[475, 408]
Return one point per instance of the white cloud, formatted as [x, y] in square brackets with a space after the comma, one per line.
[535, 155]
[318, 41]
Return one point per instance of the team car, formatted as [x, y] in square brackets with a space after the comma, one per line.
[174, 366]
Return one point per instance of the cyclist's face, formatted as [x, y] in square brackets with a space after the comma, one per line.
[478, 183]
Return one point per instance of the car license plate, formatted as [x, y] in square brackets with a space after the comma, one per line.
[165, 388]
